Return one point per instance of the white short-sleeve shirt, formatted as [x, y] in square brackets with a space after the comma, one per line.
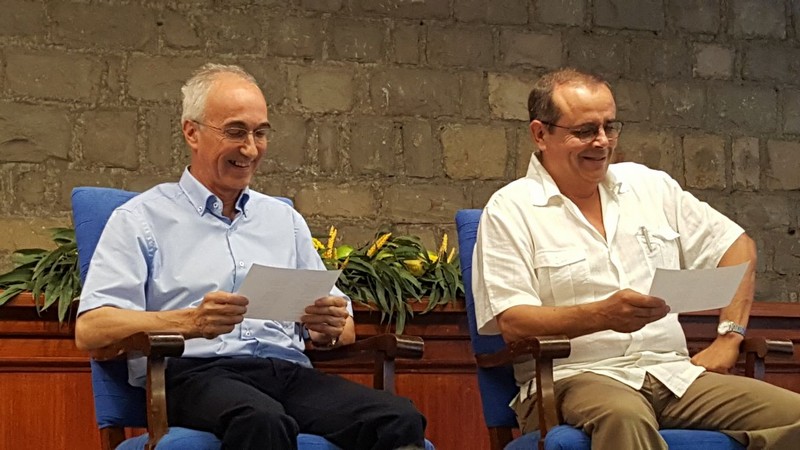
[535, 247]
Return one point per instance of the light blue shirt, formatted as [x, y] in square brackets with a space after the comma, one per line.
[168, 247]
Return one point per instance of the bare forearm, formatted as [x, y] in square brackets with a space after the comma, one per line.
[524, 321]
[741, 251]
[107, 325]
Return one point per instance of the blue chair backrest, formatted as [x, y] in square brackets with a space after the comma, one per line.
[497, 385]
[116, 402]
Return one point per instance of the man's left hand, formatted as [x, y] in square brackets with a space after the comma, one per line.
[721, 355]
[328, 316]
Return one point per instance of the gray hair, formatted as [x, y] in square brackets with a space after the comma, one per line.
[540, 100]
[195, 91]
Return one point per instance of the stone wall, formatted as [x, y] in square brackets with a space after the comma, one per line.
[396, 113]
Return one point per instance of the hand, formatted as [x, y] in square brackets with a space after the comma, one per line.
[721, 355]
[626, 311]
[218, 314]
[328, 316]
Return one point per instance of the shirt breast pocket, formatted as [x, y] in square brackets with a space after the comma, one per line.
[660, 246]
[562, 275]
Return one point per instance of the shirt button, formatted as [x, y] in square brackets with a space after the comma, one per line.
[216, 205]
[241, 263]
[199, 209]
[248, 333]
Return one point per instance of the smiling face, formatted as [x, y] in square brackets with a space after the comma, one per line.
[577, 167]
[224, 166]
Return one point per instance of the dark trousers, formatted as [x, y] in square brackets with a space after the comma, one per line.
[264, 403]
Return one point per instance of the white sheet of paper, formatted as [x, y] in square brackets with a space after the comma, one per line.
[697, 290]
[283, 294]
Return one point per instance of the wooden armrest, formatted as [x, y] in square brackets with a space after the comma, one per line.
[392, 346]
[155, 344]
[542, 349]
[763, 347]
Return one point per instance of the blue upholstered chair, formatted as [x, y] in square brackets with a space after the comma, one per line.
[497, 386]
[118, 405]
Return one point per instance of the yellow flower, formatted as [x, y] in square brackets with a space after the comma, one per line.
[442, 247]
[415, 267]
[317, 244]
[331, 239]
[451, 255]
[378, 244]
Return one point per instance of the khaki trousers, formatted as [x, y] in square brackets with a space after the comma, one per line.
[616, 416]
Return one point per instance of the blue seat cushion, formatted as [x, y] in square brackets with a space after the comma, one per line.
[179, 438]
[565, 437]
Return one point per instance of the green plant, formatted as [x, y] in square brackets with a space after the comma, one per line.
[51, 276]
[391, 271]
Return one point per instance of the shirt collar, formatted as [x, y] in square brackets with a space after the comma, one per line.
[204, 200]
[546, 188]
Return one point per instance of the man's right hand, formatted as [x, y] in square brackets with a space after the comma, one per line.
[218, 314]
[627, 311]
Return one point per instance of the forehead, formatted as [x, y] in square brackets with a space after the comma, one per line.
[233, 98]
[579, 103]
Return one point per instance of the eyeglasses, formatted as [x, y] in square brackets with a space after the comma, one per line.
[238, 134]
[588, 133]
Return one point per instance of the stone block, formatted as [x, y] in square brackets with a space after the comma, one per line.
[180, 30]
[322, 5]
[660, 59]
[633, 100]
[678, 103]
[233, 31]
[414, 92]
[630, 14]
[704, 161]
[337, 200]
[474, 96]
[34, 133]
[406, 41]
[295, 36]
[374, 146]
[109, 138]
[423, 203]
[481, 193]
[73, 178]
[602, 54]
[696, 16]
[421, 154]
[30, 188]
[750, 108]
[358, 40]
[410, 9]
[329, 147]
[470, 47]
[125, 26]
[771, 63]
[323, 89]
[560, 12]
[474, 151]
[24, 19]
[713, 61]
[141, 183]
[288, 145]
[492, 11]
[790, 105]
[508, 96]
[531, 49]
[160, 77]
[162, 130]
[787, 255]
[756, 18]
[29, 232]
[765, 212]
[656, 149]
[271, 77]
[54, 75]
[746, 164]
[525, 149]
[783, 165]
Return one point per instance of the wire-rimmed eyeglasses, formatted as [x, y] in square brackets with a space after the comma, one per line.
[588, 133]
[238, 134]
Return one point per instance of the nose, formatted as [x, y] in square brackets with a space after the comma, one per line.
[601, 140]
[249, 147]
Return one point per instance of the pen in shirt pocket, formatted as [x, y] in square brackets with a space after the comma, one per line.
[646, 238]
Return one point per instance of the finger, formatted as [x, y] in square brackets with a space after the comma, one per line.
[325, 328]
[316, 319]
[333, 311]
[330, 301]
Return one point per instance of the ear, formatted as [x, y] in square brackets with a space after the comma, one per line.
[190, 134]
[538, 133]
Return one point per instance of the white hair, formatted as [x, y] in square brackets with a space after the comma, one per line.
[195, 91]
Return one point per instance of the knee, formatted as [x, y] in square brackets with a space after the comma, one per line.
[627, 414]
[276, 424]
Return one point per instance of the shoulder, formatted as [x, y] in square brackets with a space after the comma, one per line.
[639, 176]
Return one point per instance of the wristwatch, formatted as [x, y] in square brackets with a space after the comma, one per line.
[728, 326]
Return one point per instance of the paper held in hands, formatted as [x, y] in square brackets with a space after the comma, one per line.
[697, 290]
[283, 294]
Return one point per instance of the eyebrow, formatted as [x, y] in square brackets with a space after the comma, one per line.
[240, 124]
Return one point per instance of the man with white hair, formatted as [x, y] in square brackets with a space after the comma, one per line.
[172, 258]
